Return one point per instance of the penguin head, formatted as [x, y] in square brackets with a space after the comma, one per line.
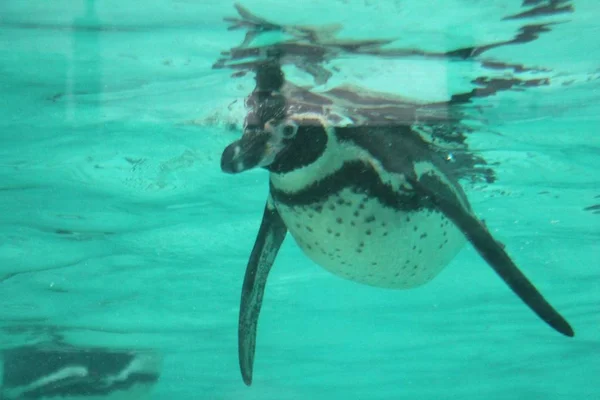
[281, 145]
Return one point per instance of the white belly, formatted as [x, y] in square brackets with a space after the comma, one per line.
[361, 240]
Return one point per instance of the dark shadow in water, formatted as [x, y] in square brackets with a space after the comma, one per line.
[44, 372]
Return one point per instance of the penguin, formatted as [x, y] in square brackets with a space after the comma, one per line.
[372, 204]
[76, 373]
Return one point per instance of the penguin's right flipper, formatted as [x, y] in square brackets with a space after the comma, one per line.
[270, 237]
[431, 186]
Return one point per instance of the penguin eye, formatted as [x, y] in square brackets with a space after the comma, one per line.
[289, 129]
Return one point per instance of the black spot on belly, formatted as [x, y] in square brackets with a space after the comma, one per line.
[340, 202]
[361, 206]
[308, 228]
[310, 215]
[359, 250]
[329, 230]
[370, 218]
[385, 233]
[308, 246]
[373, 263]
[407, 219]
[414, 247]
[415, 228]
[397, 274]
[349, 203]
[356, 213]
[415, 267]
[298, 225]
[383, 224]
[352, 223]
[339, 220]
[423, 236]
[362, 244]
[368, 232]
[331, 207]
[337, 234]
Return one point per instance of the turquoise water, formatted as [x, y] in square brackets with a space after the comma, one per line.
[119, 230]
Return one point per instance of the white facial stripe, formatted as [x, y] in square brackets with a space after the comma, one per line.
[331, 160]
[396, 180]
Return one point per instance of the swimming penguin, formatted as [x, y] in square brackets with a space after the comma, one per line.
[75, 373]
[375, 205]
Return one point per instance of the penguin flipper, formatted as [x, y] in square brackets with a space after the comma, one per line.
[268, 241]
[432, 187]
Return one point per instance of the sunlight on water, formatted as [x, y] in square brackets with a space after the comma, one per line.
[123, 245]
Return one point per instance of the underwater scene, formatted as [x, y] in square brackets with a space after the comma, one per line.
[271, 200]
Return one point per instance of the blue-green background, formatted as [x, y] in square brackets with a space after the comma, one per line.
[111, 126]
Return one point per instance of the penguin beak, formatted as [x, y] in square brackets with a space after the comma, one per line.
[254, 149]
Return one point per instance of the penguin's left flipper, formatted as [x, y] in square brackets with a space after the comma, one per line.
[432, 187]
[270, 236]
